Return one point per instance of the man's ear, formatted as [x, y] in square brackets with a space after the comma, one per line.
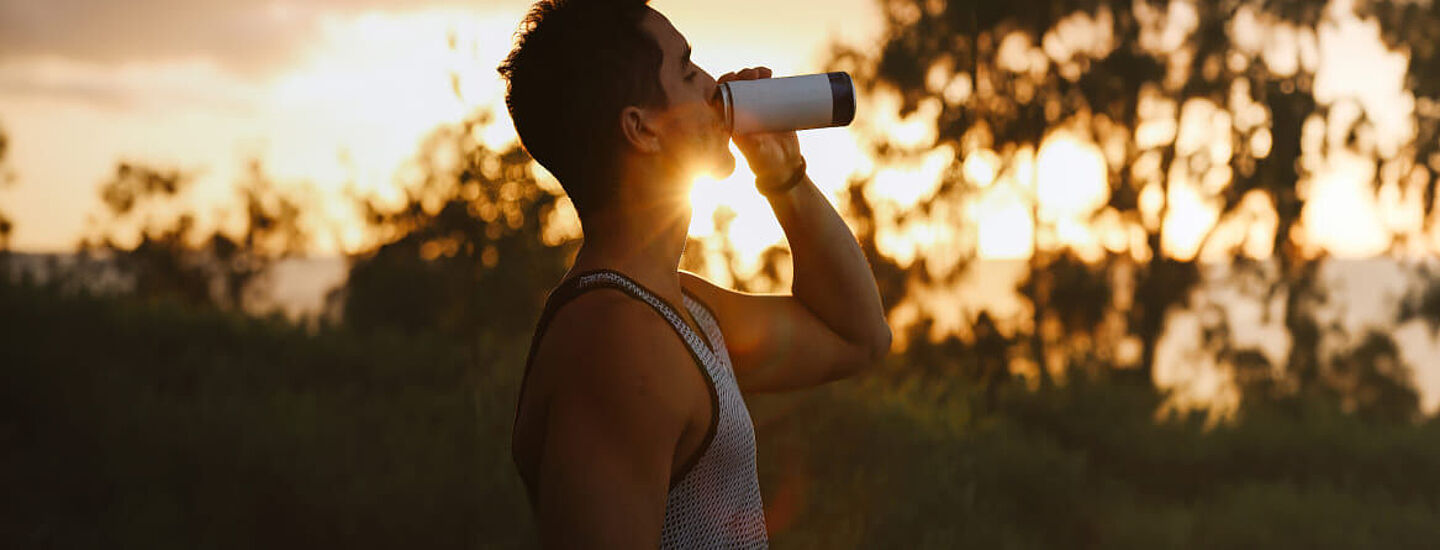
[636, 125]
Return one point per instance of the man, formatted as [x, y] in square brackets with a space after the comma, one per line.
[631, 430]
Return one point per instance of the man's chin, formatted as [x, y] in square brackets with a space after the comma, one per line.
[725, 165]
[718, 168]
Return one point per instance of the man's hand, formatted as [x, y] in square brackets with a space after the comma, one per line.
[832, 324]
[773, 157]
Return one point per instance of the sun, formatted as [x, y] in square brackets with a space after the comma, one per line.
[833, 156]
[734, 204]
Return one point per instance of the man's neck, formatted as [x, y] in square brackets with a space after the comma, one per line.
[643, 241]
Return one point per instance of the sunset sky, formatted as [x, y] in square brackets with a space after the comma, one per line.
[324, 92]
[335, 94]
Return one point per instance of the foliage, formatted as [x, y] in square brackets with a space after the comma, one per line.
[153, 425]
[1423, 304]
[176, 428]
[871, 464]
[172, 258]
[1176, 103]
[7, 177]
[1409, 27]
[145, 421]
[466, 254]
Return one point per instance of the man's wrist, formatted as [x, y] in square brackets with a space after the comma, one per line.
[774, 186]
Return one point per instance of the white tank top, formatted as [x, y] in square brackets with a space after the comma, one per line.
[716, 502]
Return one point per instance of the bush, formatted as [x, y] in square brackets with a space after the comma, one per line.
[127, 424]
[152, 426]
[1087, 465]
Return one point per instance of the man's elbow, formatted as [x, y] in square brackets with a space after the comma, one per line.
[872, 350]
[879, 345]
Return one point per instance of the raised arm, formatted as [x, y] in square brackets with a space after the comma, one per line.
[832, 278]
[832, 324]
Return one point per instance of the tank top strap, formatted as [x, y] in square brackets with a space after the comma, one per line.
[708, 324]
[697, 344]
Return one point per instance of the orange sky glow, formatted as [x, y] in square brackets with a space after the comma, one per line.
[348, 105]
[335, 100]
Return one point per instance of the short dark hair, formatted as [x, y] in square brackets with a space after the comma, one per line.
[576, 64]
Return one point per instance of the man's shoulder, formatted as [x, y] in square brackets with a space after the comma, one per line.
[606, 314]
[607, 326]
[607, 347]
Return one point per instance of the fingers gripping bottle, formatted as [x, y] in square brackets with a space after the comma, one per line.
[786, 104]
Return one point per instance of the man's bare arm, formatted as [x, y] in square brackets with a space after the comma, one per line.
[830, 327]
[832, 278]
[833, 324]
[613, 424]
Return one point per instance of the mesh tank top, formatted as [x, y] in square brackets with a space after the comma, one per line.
[716, 501]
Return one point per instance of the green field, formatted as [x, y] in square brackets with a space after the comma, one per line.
[130, 425]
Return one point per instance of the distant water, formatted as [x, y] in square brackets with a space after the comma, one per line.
[299, 285]
[1364, 295]
[296, 286]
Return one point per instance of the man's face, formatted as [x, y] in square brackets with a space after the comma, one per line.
[691, 132]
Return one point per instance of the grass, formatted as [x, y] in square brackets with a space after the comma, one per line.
[127, 424]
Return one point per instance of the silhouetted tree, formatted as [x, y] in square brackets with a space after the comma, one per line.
[1169, 98]
[1423, 303]
[992, 351]
[1372, 381]
[467, 252]
[1079, 299]
[272, 231]
[173, 259]
[1410, 27]
[7, 177]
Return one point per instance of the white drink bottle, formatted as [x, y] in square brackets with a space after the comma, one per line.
[786, 104]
